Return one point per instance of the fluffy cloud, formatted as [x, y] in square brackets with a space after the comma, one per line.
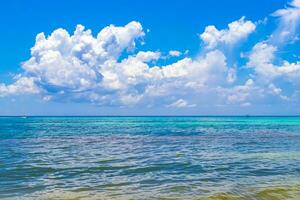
[262, 59]
[108, 70]
[23, 85]
[80, 67]
[267, 65]
[249, 92]
[240, 93]
[174, 53]
[237, 30]
[289, 19]
[133, 76]
[64, 63]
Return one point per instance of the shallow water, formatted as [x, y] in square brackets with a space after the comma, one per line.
[150, 158]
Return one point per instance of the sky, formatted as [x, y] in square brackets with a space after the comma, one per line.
[124, 57]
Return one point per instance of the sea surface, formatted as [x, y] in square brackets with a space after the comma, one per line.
[150, 158]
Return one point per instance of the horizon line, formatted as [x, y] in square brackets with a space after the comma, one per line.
[246, 115]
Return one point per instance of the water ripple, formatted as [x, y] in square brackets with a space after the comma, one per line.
[150, 158]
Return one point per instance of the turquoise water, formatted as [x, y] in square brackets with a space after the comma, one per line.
[150, 158]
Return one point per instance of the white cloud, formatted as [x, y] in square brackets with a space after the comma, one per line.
[174, 53]
[115, 39]
[289, 19]
[81, 67]
[71, 64]
[186, 76]
[181, 103]
[262, 58]
[240, 94]
[147, 56]
[236, 31]
[251, 91]
[23, 85]
[277, 91]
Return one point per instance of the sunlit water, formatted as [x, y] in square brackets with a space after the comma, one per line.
[150, 158]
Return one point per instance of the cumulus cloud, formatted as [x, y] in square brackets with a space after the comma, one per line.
[250, 91]
[64, 65]
[241, 94]
[23, 85]
[262, 59]
[107, 69]
[289, 19]
[71, 63]
[236, 31]
[81, 67]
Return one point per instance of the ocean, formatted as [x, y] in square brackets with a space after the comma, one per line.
[150, 158]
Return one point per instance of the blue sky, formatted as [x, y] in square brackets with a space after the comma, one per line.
[150, 57]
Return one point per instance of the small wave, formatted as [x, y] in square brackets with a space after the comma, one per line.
[270, 193]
